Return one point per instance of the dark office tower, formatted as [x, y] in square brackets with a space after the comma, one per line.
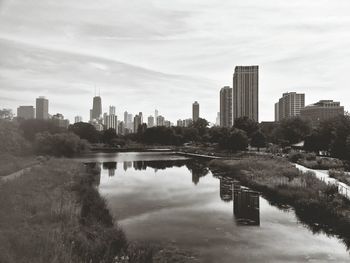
[226, 115]
[96, 108]
[195, 111]
[42, 108]
[246, 92]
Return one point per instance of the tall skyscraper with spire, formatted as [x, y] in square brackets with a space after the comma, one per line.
[96, 112]
[246, 92]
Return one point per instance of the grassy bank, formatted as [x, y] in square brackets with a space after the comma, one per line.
[316, 203]
[54, 214]
[10, 163]
[340, 175]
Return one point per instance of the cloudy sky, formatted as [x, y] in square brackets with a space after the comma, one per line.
[147, 54]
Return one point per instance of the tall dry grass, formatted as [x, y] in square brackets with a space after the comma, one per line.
[42, 220]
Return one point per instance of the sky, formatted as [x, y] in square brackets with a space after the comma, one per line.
[160, 54]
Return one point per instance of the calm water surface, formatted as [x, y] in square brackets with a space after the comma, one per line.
[163, 199]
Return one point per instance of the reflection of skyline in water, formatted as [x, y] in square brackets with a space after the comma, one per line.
[197, 169]
[246, 206]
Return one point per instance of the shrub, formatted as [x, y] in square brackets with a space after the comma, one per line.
[60, 144]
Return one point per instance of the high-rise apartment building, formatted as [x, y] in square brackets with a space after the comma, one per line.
[289, 105]
[246, 92]
[150, 121]
[160, 120]
[26, 112]
[226, 114]
[110, 122]
[217, 121]
[322, 110]
[96, 112]
[156, 117]
[42, 108]
[195, 111]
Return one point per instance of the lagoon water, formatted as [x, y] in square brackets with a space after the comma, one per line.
[169, 201]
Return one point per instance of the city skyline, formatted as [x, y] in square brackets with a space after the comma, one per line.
[146, 61]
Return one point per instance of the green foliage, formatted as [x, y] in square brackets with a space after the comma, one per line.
[85, 131]
[236, 140]
[247, 125]
[59, 144]
[291, 130]
[31, 127]
[11, 139]
[258, 140]
[333, 136]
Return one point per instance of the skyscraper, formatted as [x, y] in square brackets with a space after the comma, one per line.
[156, 116]
[78, 119]
[96, 108]
[137, 122]
[26, 112]
[246, 92]
[289, 105]
[195, 111]
[110, 122]
[111, 110]
[150, 122]
[42, 108]
[226, 114]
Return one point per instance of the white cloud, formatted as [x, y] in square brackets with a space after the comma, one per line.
[299, 45]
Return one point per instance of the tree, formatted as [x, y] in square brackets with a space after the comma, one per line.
[85, 131]
[31, 127]
[258, 140]
[59, 144]
[236, 140]
[247, 125]
[108, 136]
[11, 139]
[292, 130]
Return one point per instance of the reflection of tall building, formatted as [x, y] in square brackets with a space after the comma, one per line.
[127, 165]
[246, 206]
[139, 165]
[111, 167]
[226, 184]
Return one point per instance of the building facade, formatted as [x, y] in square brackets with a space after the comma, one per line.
[110, 122]
[195, 111]
[96, 112]
[78, 119]
[226, 114]
[42, 108]
[246, 92]
[322, 110]
[137, 122]
[26, 112]
[59, 121]
[150, 121]
[289, 105]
